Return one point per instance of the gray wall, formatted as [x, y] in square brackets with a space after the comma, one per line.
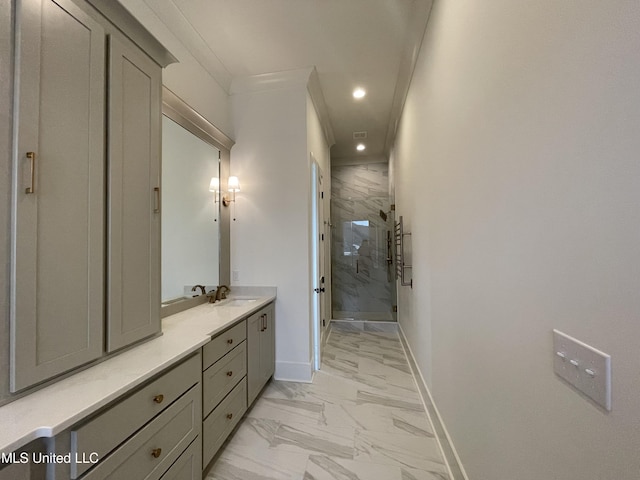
[517, 167]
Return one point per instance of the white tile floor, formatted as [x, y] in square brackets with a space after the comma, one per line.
[361, 419]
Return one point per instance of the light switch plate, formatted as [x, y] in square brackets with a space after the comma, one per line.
[586, 368]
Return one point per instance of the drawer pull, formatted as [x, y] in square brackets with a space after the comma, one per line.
[156, 452]
[230, 341]
[229, 416]
[32, 158]
[158, 398]
[229, 373]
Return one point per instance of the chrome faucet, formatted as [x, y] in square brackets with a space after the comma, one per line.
[221, 292]
[201, 287]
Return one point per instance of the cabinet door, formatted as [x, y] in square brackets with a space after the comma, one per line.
[254, 375]
[189, 465]
[267, 345]
[57, 270]
[134, 204]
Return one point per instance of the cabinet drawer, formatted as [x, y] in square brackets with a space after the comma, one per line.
[220, 378]
[151, 451]
[223, 343]
[189, 465]
[106, 431]
[219, 424]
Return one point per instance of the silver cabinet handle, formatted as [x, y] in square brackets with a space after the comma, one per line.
[32, 157]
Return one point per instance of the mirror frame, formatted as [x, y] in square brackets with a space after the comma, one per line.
[176, 109]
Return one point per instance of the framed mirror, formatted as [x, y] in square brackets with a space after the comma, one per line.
[190, 233]
[195, 230]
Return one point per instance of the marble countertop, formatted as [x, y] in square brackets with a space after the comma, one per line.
[53, 409]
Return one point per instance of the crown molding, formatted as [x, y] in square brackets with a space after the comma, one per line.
[299, 78]
[421, 15]
[271, 81]
[133, 29]
[317, 97]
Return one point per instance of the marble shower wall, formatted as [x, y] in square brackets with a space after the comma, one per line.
[362, 279]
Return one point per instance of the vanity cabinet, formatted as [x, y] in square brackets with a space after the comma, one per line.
[188, 466]
[151, 432]
[261, 350]
[224, 387]
[236, 364]
[79, 81]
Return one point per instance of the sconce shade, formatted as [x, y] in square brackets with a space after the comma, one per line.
[234, 184]
[214, 186]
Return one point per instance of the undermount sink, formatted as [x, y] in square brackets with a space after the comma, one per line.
[238, 302]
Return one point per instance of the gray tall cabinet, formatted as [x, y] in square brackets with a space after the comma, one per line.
[86, 211]
[135, 93]
[261, 350]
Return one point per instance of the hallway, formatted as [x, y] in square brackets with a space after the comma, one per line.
[361, 419]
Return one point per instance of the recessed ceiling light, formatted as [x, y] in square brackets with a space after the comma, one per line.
[360, 147]
[359, 93]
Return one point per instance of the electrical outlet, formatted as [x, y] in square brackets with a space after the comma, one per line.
[584, 367]
[235, 275]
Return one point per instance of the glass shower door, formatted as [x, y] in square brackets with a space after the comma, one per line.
[361, 282]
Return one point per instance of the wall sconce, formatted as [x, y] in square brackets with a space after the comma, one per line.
[233, 187]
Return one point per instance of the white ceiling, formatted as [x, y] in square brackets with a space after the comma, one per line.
[367, 43]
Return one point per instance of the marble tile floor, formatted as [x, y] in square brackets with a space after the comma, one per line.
[360, 419]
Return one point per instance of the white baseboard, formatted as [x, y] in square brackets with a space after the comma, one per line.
[456, 470]
[294, 372]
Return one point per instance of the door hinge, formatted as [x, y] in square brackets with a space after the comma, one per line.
[395, 308]
[322, 237]
[323, 323]
[321, 194]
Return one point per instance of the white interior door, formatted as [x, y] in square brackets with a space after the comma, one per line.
[318, 252]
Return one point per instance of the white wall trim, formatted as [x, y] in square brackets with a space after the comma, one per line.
[294, 372]
[420, 18]
[431, 409]
[317, 97]
[271, 81]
